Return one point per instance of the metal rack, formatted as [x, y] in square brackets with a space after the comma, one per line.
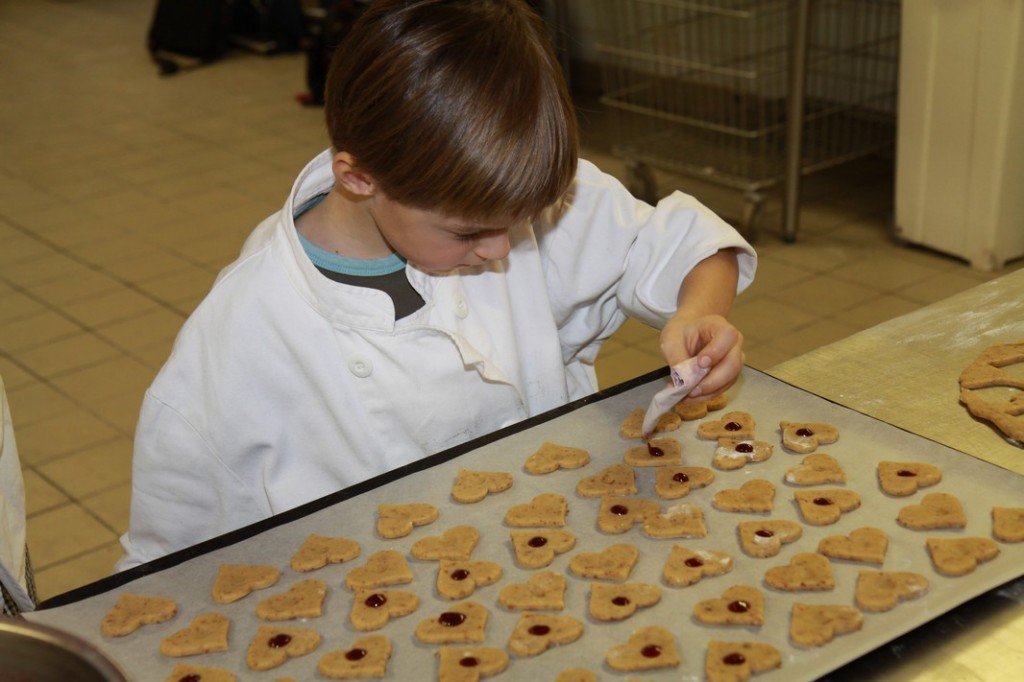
[748, 93]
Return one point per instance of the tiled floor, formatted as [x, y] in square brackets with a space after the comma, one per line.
[123, 193]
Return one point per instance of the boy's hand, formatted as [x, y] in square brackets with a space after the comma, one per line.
[714, 341]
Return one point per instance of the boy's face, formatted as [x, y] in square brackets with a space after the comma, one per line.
[437, 243]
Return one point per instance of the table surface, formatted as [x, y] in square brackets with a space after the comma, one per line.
[905, 372]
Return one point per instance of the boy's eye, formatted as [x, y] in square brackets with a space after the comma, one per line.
[467, 236]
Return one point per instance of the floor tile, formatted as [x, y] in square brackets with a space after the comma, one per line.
[64, 533]
[30, 332]
[72, 573]
[92, 470]
[45, 440]
[111, 506]
[67, 354]
[40, 494]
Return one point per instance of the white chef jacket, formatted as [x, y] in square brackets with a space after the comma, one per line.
[14, 569]
[284, 386]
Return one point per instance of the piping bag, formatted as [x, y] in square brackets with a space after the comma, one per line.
[685, 377]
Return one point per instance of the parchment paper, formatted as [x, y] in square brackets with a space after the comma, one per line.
[863, 442]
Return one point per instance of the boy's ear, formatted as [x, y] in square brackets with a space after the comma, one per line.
[348, 176]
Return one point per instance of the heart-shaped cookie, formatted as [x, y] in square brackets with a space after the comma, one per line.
[862, 544]
[679, 521]
[765, 538]
[132, 611]
[738, 605]
[824, 506]
[372, 609]
[618, 514]
[960, 556]
[473, 486]
[732, 452]
[304, 599]
[632, 425]
[207, 632]
[1008, 523]
[617, 479]
[753, 496]
[318, 550]
[537, 548]
[618, 602]
[687, 566]
[904, 478]
[699, 410]
[469, 664]
[459, 579]
[671, 483]
[454, 543]
[551, 457]
[806, 571]
[367, 657]
[648, 648]
[398, 520]
[545, 510]
[937, 510]
[731, 425]
[541, 592]
[235, 581]
[804, 437]
[658, 452]
[462, 622]
[615, 562]
[816, 469]
[272, 646]
[386, 567]
[537, 632]
[881, 590]
[818, 624]
[737, 661]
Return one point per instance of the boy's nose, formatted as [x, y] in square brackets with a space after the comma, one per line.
[493, 246]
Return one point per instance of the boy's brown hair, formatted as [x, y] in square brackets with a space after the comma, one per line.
[455, 106]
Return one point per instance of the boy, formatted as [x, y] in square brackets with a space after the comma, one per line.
[447, 268]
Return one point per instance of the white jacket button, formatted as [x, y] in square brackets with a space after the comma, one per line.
[461, 308]
[360, 365]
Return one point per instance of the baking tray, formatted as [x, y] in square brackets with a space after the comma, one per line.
[592, 424]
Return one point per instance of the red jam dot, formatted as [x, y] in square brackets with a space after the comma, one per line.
[355, 654]
[651, 651]
[764, 533]
[376, 600]
[680, 477]
[539, 630]
[621, 601]
[451, 619]
[745, 448]
[537, 541]
[804, 432]
[822, 501]
[459, 574]
[469, 662]
[734, 659]
[694, 562]
[655, 451]
[279, 640]
[619, 509]
[905, 472]
[733, 426]
[190, 678]
[739, 606]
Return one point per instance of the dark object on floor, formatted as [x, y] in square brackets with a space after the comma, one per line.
[324, 34]
[187, 33]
